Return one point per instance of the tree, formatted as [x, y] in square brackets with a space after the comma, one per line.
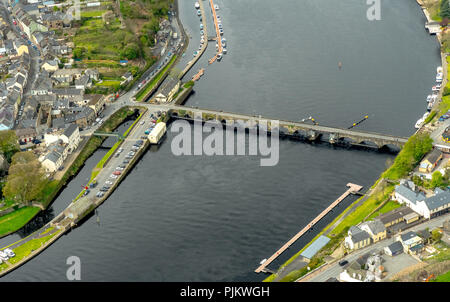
[445, 9]
[437, 180]
[78, 52]
[8, 143]
[26, 178]
[436, 235]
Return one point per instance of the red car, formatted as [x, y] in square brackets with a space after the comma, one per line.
[116, 172]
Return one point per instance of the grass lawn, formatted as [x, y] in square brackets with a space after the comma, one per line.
[388, 206]
[17, 219]
[150, 85]
[25, 249]
[442, 278]
[91, 14]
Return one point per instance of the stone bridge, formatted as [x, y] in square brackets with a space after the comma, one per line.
[293, 129]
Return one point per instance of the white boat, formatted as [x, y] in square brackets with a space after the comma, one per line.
[419, 123]
[429, 98]
[197, 5]
[199, 13]
[439, 77]
[262, 261]
[430, 106]
[224, 50]
[439, 69]
[216, 7]
[219, 57]
[435, 88]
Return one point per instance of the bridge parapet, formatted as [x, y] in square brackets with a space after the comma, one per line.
[292, 128]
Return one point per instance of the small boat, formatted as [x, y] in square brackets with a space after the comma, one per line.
[439, 69]
[419, 123]
[224, 50]
[224, 40]
[216, 7]
[197, 5]
[434, 88]
[195, 53]
[221, 31]
[219, 57]
[439, 77]
[199, 13]
[430, 106]
[429, 98]
[201, 25]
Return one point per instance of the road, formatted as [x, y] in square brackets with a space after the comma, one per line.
[334, 269]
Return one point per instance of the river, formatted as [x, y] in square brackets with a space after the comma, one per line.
[199, 218]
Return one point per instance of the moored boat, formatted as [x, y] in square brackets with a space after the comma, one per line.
[197, 5]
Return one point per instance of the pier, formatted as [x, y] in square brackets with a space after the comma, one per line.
[205, 44]
[352, 189]
[198, 75]
[218, 39]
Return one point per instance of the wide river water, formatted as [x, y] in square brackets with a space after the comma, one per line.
[199, 218]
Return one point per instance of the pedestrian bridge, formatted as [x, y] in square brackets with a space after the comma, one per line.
[333, 135]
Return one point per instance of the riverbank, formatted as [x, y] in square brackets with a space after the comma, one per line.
[364, 207]
[25, 249]
[14, 222]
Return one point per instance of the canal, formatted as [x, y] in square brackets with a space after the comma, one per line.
[199, 218]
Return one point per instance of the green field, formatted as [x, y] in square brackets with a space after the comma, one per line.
[17, 219]
[442, 278]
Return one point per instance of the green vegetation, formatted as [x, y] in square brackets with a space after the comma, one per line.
[15, 220]
[25, 179]
[387, 207]
[150, 85]
[442, 278]
[189, 84]
[92, 14]
[28, 247]
[415, 148]
[8, 144]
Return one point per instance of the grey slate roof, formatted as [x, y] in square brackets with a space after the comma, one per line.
[70, 130]
[408, 236]
[438, 200]
[395, 247]
[409, 194]
[376, 226]
[53, 156]
[361, 236]
[433, 156]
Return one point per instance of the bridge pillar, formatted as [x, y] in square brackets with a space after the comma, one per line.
[334, 137]
[312, 135]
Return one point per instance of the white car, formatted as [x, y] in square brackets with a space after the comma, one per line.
[9, 252]
[119, 169]
[113, 176]
[108, 182]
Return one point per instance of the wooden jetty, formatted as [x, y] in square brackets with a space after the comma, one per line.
[352, 189]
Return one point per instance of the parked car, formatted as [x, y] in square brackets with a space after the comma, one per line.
[123, 166]
[343, 262]
[119, 169]
[116, 172]
[100, 194]
[113, 176]
[86, 192]
[9, 252]
[126, 161]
